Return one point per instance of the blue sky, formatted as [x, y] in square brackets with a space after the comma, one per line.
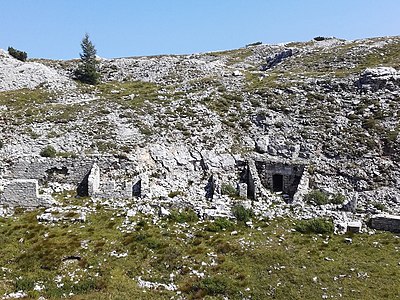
[119, 28]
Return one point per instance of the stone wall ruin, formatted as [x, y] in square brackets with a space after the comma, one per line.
[280, 177]
[385, 222]
[108, 177]
[286, 177]
[24, 193]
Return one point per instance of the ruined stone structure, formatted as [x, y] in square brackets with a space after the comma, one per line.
[91, 177]
[60, 170]
[108, 177]
[24, 193]
[280, 177]
[286, 177]
[385, 222]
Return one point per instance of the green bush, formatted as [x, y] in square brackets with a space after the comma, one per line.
[317, 197]
[214, 285]
[379, 206]
[338, 199]
[184, 216]
[318, 225]
[175, 193]
[241, 213]
[320, 38]
[220, 224]
[20, 55]
[228, 189]
[24, 284]
[48, 151]
[254, 44]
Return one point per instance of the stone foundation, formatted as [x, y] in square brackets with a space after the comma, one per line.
[385, 222]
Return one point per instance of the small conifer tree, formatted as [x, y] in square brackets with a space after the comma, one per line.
[87, 71]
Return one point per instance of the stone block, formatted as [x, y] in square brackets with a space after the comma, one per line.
[385, 222]
[21, 192]
[128, 190]
[94, 180]
[354, 227]
[242, 189]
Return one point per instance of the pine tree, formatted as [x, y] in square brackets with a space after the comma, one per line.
[87, 71]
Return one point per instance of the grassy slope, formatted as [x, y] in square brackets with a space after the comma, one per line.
[269, 261]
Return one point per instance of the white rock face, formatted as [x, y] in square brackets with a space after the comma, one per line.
[15, 74]
[381, 71]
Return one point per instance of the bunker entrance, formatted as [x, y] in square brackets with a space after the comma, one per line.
[280, 177]
[277, 183]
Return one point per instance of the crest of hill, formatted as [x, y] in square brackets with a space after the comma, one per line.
[15, 75]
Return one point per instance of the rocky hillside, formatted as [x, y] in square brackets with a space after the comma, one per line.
[332, 104]
[208, 176]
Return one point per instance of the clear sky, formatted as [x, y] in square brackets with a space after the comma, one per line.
[119, 28]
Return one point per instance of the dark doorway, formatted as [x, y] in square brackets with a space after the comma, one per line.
[277, 183]
[137, 189]
[83, 188]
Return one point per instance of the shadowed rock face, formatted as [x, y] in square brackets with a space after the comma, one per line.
[277, 58]
[179, 128]
[379, 78]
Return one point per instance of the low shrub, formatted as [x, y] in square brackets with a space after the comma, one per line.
[48, 151]
[318, 197]
[379, 206]
[184, 216]
[173, 194]
[241, 213]
[20, 55]
[214, 285]
[24, 284]
[228, 189]
[338, 199]
[318, 225]
[220, 224]
[254, 44]
[320, 38]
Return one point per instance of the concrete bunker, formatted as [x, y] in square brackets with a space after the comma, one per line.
[280, 176]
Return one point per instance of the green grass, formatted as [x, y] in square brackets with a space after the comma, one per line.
[268, 261]
[129, 94]
[234, 56]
